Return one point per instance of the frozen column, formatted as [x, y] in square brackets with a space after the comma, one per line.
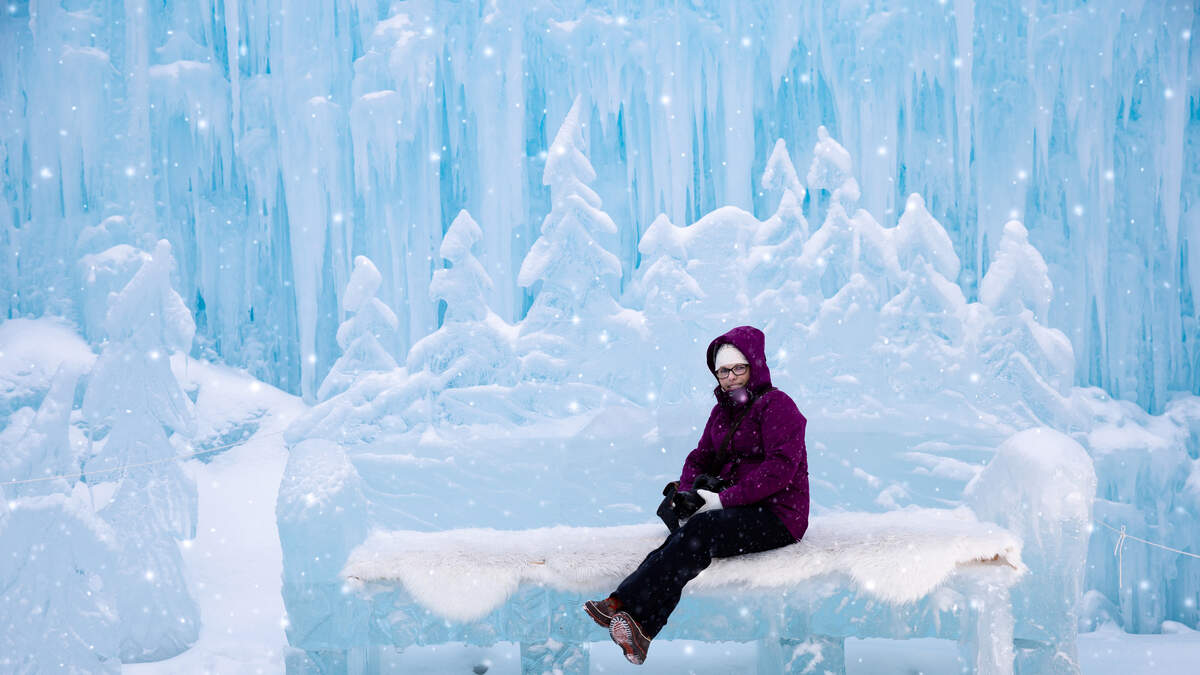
[321, 514]
[1040, 485]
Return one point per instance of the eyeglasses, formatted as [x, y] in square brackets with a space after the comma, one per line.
[739, 369]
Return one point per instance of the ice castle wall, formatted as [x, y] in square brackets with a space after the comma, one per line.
[272, 141]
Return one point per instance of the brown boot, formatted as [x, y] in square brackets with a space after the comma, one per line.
[625, 631]
[602, 611]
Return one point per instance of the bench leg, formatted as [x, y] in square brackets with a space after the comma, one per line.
[815, 654]
[552, 656]
[364, 660]
[986, 640]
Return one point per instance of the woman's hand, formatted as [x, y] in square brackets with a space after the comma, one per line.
[712, 501]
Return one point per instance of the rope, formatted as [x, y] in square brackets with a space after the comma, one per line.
[172, 458]
[1119, 550]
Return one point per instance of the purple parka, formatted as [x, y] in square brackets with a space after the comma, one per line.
[770, 441]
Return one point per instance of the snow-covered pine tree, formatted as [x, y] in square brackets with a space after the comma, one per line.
[56, 600]
[133, 393]
[36, 444]
[779, 177]
[670, 300]
[832, 171]
[575, 325]
[930, 305]
[850, 241]
[362, 337]
[474, 345]
[55, 605]
[1021, 359]
[773, 277]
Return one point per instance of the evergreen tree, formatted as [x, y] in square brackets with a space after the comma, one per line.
[568, 261]
[779, 242]
[779, 177]
[574, 320]
[363, 335]
[473, 345]
[920, 235]
[1020, 358]
[133, 393]
[832, 171]
[671, 308]
[56, 598]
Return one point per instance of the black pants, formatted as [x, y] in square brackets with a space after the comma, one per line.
[651, 593]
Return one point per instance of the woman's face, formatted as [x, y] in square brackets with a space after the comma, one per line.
[732, 380]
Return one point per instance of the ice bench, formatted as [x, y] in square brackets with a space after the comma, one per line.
[910, 573]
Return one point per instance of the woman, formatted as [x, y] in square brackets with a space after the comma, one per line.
[765, 505]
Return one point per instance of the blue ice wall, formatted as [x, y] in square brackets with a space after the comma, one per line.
[270, 142]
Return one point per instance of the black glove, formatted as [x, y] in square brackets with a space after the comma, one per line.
[687, 503]
[710, 483]
[677, 506]
[666, 510]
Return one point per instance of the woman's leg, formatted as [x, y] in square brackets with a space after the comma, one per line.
[651, 593]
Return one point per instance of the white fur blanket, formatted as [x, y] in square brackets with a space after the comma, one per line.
[898, 556]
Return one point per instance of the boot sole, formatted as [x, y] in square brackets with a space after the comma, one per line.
[621, 632]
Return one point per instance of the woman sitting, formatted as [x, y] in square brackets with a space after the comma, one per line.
[751, 456]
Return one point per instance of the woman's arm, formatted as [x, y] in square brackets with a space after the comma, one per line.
[783, 445]
[698, 460]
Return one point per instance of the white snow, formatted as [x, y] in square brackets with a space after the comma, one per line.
[31, 352]
[898, 557]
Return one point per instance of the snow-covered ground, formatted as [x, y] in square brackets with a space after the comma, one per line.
[233, 566]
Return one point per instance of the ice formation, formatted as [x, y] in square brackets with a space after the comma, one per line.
[362, 337]
[131, 399]
[59, 604]
[869, 330]
[473, 346]
[393, 117]
[954, 222]
[1041, 484]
